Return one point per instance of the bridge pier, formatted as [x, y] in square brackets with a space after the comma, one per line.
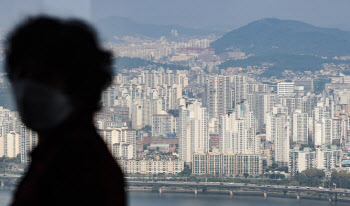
[265, 194]
[195, 191]
[284, 192]
[160, 190]
[335, 197]
[298, 195]
[231, 193]
[330, 197]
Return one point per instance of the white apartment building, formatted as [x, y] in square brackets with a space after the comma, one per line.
[269, 103]
[218, 95]
[323, 132]
[237, 132]
[256, 105]
[338, 128]
[292, 103]
[300, 127]
[12, 145]
[151, 166]
[162, 124]
[240, 89]
[328, 158]
[28, 141]
[300, 160]
[108, 96]
[9, 145]
[228, 163]
[285, 88]
[278, 132]
[192, 130]
[121, 142]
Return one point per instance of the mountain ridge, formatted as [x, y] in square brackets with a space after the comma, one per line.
[271, 36]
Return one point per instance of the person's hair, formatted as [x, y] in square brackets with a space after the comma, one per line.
[69, 48]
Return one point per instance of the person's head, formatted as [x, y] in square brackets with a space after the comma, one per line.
[62, 56]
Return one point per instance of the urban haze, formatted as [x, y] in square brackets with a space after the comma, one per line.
[211, 97]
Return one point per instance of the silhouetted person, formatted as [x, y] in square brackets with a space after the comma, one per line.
[57, 71]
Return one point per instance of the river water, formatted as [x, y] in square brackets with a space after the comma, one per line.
[187, 199]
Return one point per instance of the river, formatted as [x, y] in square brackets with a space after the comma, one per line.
[187, 199]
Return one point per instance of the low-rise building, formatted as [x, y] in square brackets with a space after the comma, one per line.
[151, 166]
[300, 160]
[227, 164]
[328, 158]
[162, 124]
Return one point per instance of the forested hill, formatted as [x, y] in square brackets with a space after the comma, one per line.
[279, 63]
[276, 37]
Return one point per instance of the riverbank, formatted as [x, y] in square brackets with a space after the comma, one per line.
[290, 195]
[227, 193]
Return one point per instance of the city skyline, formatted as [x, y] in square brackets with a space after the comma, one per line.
[265, 107]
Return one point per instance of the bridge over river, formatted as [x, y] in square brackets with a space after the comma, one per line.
[234, 187]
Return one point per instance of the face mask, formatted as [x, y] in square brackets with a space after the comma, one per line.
[39, 106]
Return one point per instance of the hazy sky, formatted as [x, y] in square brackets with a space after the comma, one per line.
[195, 13]
[330, 13]
[13, 10]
